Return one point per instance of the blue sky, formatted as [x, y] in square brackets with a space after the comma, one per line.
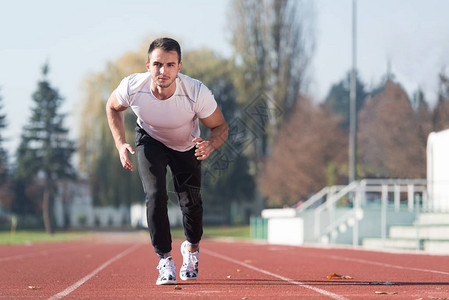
[78, 37]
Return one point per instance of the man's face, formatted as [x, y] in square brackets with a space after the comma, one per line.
[163, 67]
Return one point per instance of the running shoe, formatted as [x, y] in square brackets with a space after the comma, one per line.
[189, 269]
[167, 271]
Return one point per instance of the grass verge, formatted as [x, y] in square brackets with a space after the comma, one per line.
[31, 236]
[238, 232]
[36, 236]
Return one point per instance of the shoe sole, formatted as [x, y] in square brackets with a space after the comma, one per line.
[188, 278]
[166, 282]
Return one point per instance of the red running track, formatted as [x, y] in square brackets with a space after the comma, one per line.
[123, 266]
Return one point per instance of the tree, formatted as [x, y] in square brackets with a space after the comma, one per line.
[45, 152]
[307, 155]
[338, 98]
[110, 184]
[389, 144]
[441, 111]
[226, 173]
[422, 117]
[273, 46]
[4, 169]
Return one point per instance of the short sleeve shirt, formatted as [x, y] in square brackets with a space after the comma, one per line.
[173, 121]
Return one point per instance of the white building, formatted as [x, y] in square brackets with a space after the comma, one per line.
[438, 170]
[73, 207]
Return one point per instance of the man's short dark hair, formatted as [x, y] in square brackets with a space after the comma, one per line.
[166, 44]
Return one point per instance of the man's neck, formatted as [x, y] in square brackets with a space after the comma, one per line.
[162, 93]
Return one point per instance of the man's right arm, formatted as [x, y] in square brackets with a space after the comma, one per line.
[116, 121]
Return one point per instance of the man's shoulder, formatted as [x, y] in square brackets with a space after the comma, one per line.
[186, 78]
[190, 87]
[137, 79]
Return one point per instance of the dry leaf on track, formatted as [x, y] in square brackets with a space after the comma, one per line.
[337, 276]
[33, 287]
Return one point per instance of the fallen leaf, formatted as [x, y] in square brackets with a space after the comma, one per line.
[386, 293]
[33, 287]
[229, 276]
[337, 276]
[177, 288]
[238, 271]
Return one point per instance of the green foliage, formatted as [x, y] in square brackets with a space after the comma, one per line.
[440, 118]
[44, 144]
[217, 74]
[3, 153]
[338, 98]
[5, 198]
[45, 152]
[226, 176]
[110, 184]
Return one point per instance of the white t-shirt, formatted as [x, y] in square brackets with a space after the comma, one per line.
[173, 121]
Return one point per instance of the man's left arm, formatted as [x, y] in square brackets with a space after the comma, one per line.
[218, 135]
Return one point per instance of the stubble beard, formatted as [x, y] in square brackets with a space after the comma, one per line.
[166, 85]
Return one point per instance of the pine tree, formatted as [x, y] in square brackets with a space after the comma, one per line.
[338, 98]
[44, 154]
[4, 173]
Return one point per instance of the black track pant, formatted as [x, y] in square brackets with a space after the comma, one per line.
[153, 157]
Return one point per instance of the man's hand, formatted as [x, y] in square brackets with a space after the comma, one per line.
[123, 152]
[203, 148]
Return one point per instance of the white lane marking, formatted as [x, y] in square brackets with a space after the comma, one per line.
[320, 291]
[83, 280]
[364, 261]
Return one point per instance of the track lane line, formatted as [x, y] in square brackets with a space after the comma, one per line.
[83, 280]
[364, 261]
[318, 290]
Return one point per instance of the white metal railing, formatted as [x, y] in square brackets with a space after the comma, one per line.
[356, 193]
[318, 198]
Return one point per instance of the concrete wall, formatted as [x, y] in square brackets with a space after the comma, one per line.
[139, 217]
[285, 228]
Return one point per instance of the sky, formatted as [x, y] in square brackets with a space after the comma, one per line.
[80, 37]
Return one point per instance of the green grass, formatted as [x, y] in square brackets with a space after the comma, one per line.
[238, 232]
[36, 236]
[31, 236]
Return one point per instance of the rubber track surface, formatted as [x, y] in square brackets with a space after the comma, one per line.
[123, 266]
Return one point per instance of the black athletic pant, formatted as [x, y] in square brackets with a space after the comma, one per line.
[153, 157]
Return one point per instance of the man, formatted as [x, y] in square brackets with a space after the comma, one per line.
[168, 105]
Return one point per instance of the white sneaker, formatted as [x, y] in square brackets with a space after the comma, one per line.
[167, 271]
[189, 269]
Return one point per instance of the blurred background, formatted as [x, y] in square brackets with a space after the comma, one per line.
[284, 73]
